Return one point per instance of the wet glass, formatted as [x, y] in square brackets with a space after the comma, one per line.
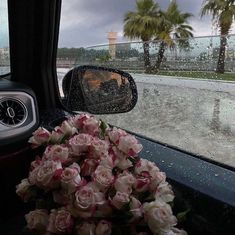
[185, 104]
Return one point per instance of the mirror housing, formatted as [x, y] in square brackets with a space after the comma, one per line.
[99, 90]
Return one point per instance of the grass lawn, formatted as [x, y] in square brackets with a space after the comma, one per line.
[199, 74]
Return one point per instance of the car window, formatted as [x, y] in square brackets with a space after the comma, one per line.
[184, 100]
[4, 39]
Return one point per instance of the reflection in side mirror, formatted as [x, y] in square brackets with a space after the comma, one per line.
[99, 90]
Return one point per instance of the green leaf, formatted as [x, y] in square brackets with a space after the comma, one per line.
[181, 217]
[103, 127]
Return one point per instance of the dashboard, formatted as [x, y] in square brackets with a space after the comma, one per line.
[18, 112]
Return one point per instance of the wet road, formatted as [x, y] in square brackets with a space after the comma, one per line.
[195, 115]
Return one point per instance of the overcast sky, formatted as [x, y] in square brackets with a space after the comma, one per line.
[86, 22]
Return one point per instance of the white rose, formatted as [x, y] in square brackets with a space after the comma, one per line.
[68, 129]
[77, 120]
[63, 221]
[23, 190]
[156, 179]
[129, 145]
[56, 153]
[99, 148]
[47, 174]
[70, 178]
[91, 126]
[60, 221]
[40, 136]
[135, 208]
[84, 203]
[107, 162]
[115, 134]
[80, 143]
[103, 177]
[164, 192]
[120, 199]
[103, 228]
[124, 163]
[159, 217]
[145, 166]
[37, 219]
[124, 183]
[174, 231]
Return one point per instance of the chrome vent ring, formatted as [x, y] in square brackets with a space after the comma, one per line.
[12, 112]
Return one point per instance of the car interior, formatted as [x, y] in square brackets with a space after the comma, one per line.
[29, 98]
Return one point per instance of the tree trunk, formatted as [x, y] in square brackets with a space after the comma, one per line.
[215, 122]
[221, 59]
[160, 56]
[147, 63]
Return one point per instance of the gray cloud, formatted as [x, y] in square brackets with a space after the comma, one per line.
[86, 23]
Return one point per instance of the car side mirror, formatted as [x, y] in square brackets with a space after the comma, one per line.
[99, 90]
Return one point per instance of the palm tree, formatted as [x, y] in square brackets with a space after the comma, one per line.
[173, 28]
[142, 24]
[223, 12]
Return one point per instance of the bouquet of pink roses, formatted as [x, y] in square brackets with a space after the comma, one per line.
[90, 181]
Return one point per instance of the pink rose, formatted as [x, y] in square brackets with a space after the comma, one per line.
[57, 135]
[120, 199]
[63, 221]
[40, 136]
[142, 184]
[144, 166]
[156, 179]
[103, 177]
[135, 208]
[33, 175]
[164, 192]
[60, 221]
[124, 163]
[103, 228]
[63, 131]
[80, 143]
[86, 228]
[23, 190]
[84, 203]
[70, 178]
[51, 221]
[48, 173]
[115, 134]
[174, 231]
[88, 167]
[120, 159]
[77, 121]
[99, 148]
[91, 126]
[67, 129]
[124, 183]
[129, 145]
[107, 162]
[36, 163]
[56, 153]
[159, 217]
[37, 219]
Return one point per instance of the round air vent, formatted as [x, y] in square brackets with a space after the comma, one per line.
[12, 112]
